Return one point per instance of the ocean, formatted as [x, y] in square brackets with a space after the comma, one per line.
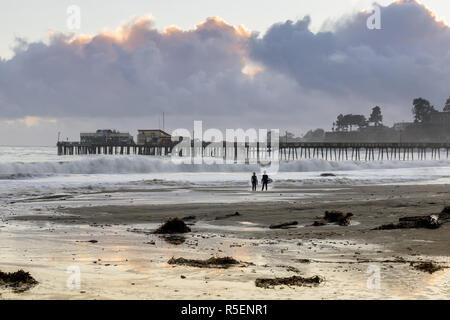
[26, 171]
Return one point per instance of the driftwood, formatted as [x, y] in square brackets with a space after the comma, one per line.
[189, 218]
[444, 216]
[328, 175]
[427, 222]
[223, 263]
[433, 221]
[291, 281]
[236, 214]
[283, 225]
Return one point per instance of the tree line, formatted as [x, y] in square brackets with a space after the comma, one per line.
[348, 121]
[422, 111]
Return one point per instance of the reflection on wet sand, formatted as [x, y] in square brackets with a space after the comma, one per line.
[120, 257]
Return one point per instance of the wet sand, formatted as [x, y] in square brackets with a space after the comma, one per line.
[46, 236]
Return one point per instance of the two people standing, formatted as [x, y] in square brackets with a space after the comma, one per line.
[264, 181]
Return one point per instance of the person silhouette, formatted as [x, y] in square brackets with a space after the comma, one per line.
[254, 181]
[265, 181]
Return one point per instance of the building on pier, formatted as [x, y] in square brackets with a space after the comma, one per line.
[106, 136]
[152, 136]
[402, 126]
[440, 118]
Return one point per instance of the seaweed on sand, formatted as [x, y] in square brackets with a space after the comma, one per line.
[338, 217]
[290, 281]
[214, 262]
[175, 225]
[18, 281]
[429, 267]
[334, 217]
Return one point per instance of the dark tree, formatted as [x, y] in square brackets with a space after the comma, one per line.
[355, 120]
[289, 136]
[343, 123]
[447, 105]
[376, 117]
[422, 110]
[314, 135]
[340, 123]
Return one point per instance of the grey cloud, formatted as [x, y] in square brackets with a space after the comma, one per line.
[136, 71]
[308, 78]
[409, 56]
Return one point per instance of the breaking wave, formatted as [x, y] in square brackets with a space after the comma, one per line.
[141, 164]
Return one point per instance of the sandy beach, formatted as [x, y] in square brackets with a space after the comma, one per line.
[108, 236]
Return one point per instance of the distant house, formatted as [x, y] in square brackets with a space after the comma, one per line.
[401, 126]
[106, 136]
[442, 118]
[152, 136]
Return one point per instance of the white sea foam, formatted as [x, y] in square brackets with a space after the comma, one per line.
[39, 169]
[147, 164]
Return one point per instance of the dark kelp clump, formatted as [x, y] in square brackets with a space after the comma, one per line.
[18, 281]
[291, 281]
[333, 216]
[175, 225]
[224, 262]
[338, 217]
[429, 267]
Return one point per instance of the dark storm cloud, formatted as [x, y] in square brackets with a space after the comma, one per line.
[409, 56]
[138, 71]
[133, 71]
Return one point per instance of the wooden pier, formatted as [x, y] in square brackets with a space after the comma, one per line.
[364, 151]
[77, 148]
[286, 151]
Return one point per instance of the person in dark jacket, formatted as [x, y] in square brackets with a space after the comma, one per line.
[265, 181]
[254, 181]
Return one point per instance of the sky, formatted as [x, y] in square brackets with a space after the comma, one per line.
[252, 64]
